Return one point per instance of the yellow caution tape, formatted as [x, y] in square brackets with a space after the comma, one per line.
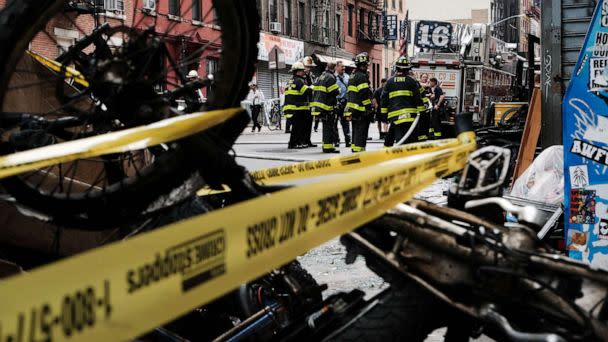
[136, 138]
[68, 72]
[122, 290]
[324, 167]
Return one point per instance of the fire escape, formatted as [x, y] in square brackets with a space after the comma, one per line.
[369, 28]
[320, 28]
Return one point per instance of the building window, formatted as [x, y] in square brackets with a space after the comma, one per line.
[302, 20]
[272, 11]
[287, 16]
[326, 25]
[393, 2]
[370, 26]
[212, 65]
[400, 5]
[111, 5]
[378, 20]
[338, 29]
[314, 28]
[258, 5]
[174, 7]
[196, 10]
[373, 80]
[362, 20]
[150, 5]
[216, 20]
[350, 20]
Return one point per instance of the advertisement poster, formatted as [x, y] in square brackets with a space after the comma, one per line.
[293, 50]
[585, 115]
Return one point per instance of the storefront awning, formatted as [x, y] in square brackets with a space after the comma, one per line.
[327, 59]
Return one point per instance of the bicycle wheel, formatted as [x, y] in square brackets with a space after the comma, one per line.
[129, 63]
[274, 119]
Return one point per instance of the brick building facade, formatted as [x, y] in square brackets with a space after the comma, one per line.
[186, 26]
[324, 28]
[327, 29]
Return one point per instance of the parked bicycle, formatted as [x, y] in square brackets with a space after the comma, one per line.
[273, 114]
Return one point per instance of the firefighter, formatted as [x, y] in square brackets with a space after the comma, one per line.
[296, 105]
[424, 122]
[324, 100]
[359, 103]
[309, 78]
[402, 101]
[438, 112]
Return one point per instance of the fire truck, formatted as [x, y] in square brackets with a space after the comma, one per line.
[480, 72]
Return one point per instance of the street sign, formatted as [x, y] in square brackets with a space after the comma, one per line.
[276, 58]
[585, 118]
[433, 34]
[390, 27]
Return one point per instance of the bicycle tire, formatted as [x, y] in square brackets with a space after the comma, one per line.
[274, 122]
[21, 20]
[404, 312]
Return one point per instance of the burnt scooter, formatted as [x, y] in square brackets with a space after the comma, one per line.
[467, 269]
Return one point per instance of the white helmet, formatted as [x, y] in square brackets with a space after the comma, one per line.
[308, 62]
[192, 74]
[297, 66]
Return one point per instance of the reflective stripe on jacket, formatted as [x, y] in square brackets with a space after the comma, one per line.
[297, 95]
[401, 99]
[359, 95]
[324, 94]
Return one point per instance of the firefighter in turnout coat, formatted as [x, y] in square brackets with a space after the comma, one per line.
[359, 103]
[296, 106]
[324, 100]
[402, 102]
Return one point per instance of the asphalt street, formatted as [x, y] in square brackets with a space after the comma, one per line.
[269, 148]
[265, 149]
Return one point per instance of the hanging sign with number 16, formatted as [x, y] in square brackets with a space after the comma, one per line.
[433, 34]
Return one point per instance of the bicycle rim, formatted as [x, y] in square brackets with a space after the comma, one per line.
[144, 57]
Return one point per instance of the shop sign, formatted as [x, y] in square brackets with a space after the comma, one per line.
[293, 50]
[585, 118]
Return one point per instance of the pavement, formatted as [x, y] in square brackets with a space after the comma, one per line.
[325, 263]
[271, 146]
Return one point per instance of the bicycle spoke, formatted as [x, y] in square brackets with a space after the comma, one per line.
[71, 181]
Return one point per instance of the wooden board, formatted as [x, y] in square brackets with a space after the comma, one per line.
[529, 139]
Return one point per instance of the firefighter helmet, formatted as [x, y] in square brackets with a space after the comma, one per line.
[297, 66]
[362, 58]
[403, 63]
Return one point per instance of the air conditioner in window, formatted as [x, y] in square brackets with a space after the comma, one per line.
[150, 5]
[113, 5]
[275, 27]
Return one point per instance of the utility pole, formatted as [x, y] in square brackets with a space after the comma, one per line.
[385, 8]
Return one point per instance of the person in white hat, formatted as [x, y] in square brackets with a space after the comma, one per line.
[256, 97]
[195, 100]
